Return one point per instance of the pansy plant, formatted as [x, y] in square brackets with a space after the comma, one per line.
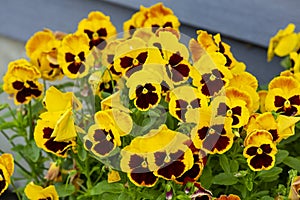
[21, 81]
[6, 171]
[42, 48]
[74, 55]
[55, 131]
[284, 96]
[260, 150]
[98, 28]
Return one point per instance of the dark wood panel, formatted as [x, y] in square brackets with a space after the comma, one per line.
[253, 21]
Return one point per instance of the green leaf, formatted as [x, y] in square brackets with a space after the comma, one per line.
[64, 190]
[286, 62]
[234, 166]
[65, 85]
[31, 151]
[161, 197]
[1, 88]
[249, 182]
[108, 196]
[267, 198]
[292, 162]
[8, 125]
[280, 156]
[224, 163]
[298, 125]
[224, 179]
[259, 194]
[124, 196]
[3, 106]
[104, 186]
[242, 189]
[206, 177]
[183, 197]
[82, 153]
[97, 103]
[269, 173]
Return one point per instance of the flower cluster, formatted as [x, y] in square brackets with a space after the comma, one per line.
[149, 113]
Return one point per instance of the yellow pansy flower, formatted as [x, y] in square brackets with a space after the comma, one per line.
[108, 56]
[185, 102]
[210, 75]
[161, 152]
[103, 83]
[55, 100]
[55, 131]
[211, 44]
[153, 17]
[136, 21]
[41, 48]
[234, 105]
[284, 96]
[295, 187]
[260, 150]
[250, 85]
[174, 56]
[284, 42]
[6, 170]
[102, 137]
[44, 138]
[281, 128]
[114, 101]
[212, 135]
[262, 100]
[160, 16]
[98, 28]
[130, 56]
[74, 55]
[144, 89]
[229, 197]
[193, 174]
[20, 81]
[36, 192]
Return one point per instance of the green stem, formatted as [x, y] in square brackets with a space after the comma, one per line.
[87, 174]
[8, 139]
[45, 84]
[12, 113]
[15, 189]
[111, 79]
[30, 121]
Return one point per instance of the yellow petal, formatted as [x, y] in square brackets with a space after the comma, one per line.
[65, 127]
[113, 176]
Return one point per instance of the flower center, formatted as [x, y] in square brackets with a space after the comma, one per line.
[26, 85]
[95, 35]
[144, 164]
[259, 151]
[189, 107]
[211, 131]
[287, 104]
[135, 61]
[167, 159]
[229, 113]
[212, 77]
[145, 91]
[106, 86]
[77, 59]
[108, 137]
